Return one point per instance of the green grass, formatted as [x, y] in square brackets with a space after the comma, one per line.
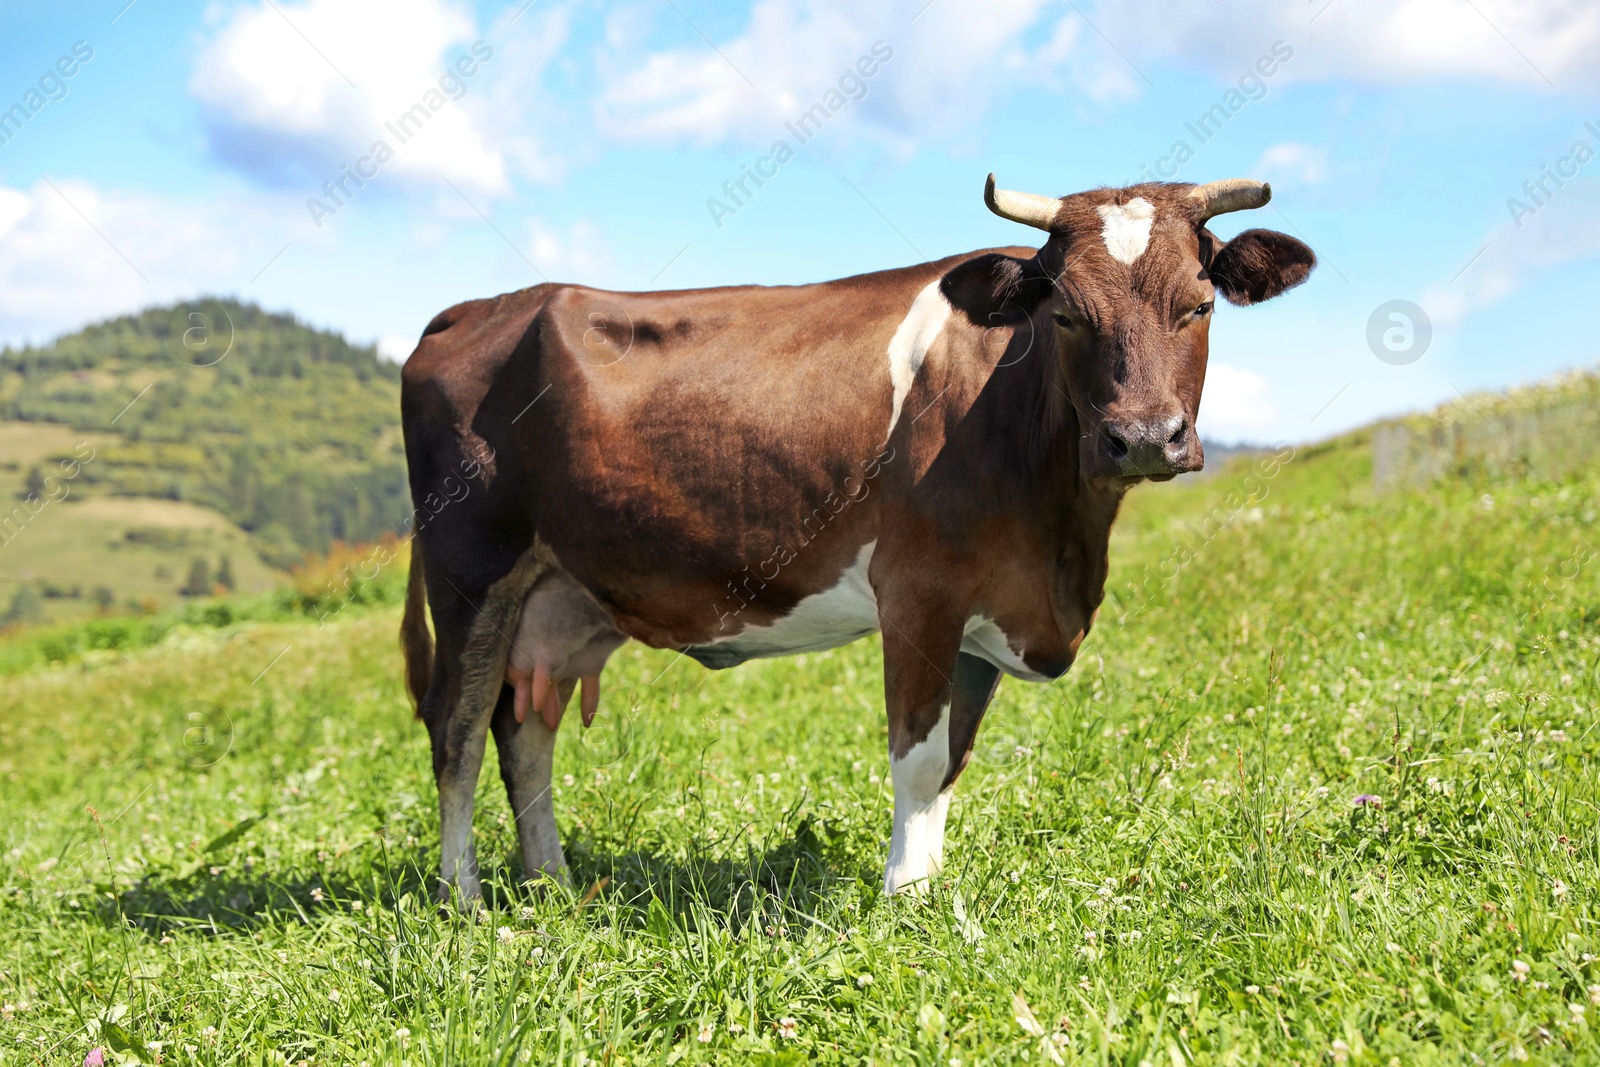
[222, 842]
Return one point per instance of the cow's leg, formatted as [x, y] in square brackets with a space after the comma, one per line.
[527, 750]
[972, 688]
[466, 687]
[919, 661]
[457, 775]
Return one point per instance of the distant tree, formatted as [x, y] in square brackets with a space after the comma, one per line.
[26, 606]
[199, 581]
[34, 485]
[103, 598]
[225, 573]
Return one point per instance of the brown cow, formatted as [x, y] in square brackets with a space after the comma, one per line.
[936, 453]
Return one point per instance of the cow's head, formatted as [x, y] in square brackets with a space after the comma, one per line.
[1123, 292]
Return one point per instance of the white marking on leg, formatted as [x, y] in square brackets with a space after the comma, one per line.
[916, 848]
[1126, 228]
[528, 759]
[911, 341]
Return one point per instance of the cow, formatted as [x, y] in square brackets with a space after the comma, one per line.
[934, 453]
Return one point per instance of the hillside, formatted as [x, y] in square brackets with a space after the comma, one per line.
[1320, 789]
[241, 434]
[292, 433]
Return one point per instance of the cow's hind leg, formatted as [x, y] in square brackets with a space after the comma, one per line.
[527, 751]
[457, 775]
[473, 635]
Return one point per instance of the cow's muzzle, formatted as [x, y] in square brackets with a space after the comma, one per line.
[1148, 447]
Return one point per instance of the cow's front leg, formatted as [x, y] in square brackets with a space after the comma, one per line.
[527, 750]
[972, 688]
[919, 660]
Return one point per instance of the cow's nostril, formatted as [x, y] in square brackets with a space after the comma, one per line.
[1177, 435]
[1118, 447]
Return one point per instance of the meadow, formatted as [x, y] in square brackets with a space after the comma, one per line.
[1320, 789]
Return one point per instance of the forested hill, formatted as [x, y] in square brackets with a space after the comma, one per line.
[291, 432]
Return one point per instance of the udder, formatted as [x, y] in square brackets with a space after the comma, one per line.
[563, 637]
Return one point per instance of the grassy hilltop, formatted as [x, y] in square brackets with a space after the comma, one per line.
[1320, 789]
[213, 430]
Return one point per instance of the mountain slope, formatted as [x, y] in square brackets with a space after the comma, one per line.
[290, 432]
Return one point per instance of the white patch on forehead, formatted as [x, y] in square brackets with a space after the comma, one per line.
[1126, 228]
[910, 343]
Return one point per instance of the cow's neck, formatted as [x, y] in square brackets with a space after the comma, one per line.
[1073, 515]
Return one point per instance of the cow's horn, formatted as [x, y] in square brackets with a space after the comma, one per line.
[1029, 209]
[1230, 194]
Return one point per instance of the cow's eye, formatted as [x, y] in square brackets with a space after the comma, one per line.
[1202, 310]
[1066, 322]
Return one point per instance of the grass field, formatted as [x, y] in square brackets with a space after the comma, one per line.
[1320, 789]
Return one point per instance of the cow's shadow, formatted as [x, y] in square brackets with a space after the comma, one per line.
[786, 882]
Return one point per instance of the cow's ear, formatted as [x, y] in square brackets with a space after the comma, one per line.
[1257, 265]
[995, 286]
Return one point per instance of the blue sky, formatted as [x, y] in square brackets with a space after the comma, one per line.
[182, 156]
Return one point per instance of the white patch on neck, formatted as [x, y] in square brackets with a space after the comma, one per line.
[1126, 229]
[911, 341]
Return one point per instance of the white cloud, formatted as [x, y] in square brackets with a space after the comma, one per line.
[57, 272]
[293, 90]
[1292, 163]
[395, 347]
[947, 66]
[14, 205]
[1236, 405]
[1383, 41]
[581, 255]
[1564, 230]
[954, 60]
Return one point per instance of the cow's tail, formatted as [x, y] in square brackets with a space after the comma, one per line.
[415, 640]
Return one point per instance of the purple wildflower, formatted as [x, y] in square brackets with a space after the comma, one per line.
[1368, 800]
[95, 1058]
